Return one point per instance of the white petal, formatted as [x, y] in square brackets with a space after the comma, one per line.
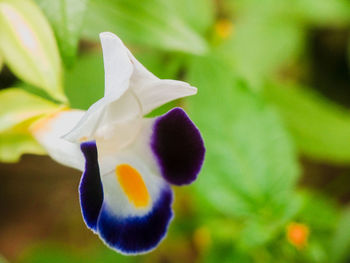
[108, 150]
[139, 156]
[115, 138]
[49, 131]
[153, 94]
[121, 104]
[115, 196]
[118, 69]
[117, 65]
[104, 115]
[88, 124]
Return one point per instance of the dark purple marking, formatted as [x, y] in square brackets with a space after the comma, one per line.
[178, 146]
[90, 188]
[140, 234]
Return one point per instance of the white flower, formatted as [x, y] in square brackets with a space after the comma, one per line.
[129, 160]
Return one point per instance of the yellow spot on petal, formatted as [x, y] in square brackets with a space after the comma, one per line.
[133, 185]
[224, 28]
[298, 234]
[83, 139]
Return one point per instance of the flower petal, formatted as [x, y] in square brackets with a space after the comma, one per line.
[178, 147]
[170, 145]
[128, 83]
[131, 210]
[118, 67]
[103, 115]
[90, 188]
[154, 93]
[135, 192]
[136, 234]
[48, 132]
[151, 91]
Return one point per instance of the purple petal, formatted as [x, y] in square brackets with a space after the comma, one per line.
[90, 188]
[138, 234]
[178, 146]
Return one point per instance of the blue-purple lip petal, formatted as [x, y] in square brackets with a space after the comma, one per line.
[130, 235]
[90, 188]
[178, 147]
[136, 234]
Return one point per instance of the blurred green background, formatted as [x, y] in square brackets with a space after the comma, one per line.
[273, 101]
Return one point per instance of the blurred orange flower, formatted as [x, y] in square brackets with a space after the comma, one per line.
[298, 234]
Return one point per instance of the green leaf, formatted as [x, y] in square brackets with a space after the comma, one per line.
[327, 211]
[84, 83]
[200, 14]
[269, 35]
[161, 64]
[306, 12]
[348, 52]
[1, 63]
[66, 18]
[260, 47]
[320, 128]
[16, 141]
[28, 46]
[341, 241]
[322, 13]
[250, 166]
[18, 105]
[149, 22]
[19, 110]
[49, 253]
[58, 253]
